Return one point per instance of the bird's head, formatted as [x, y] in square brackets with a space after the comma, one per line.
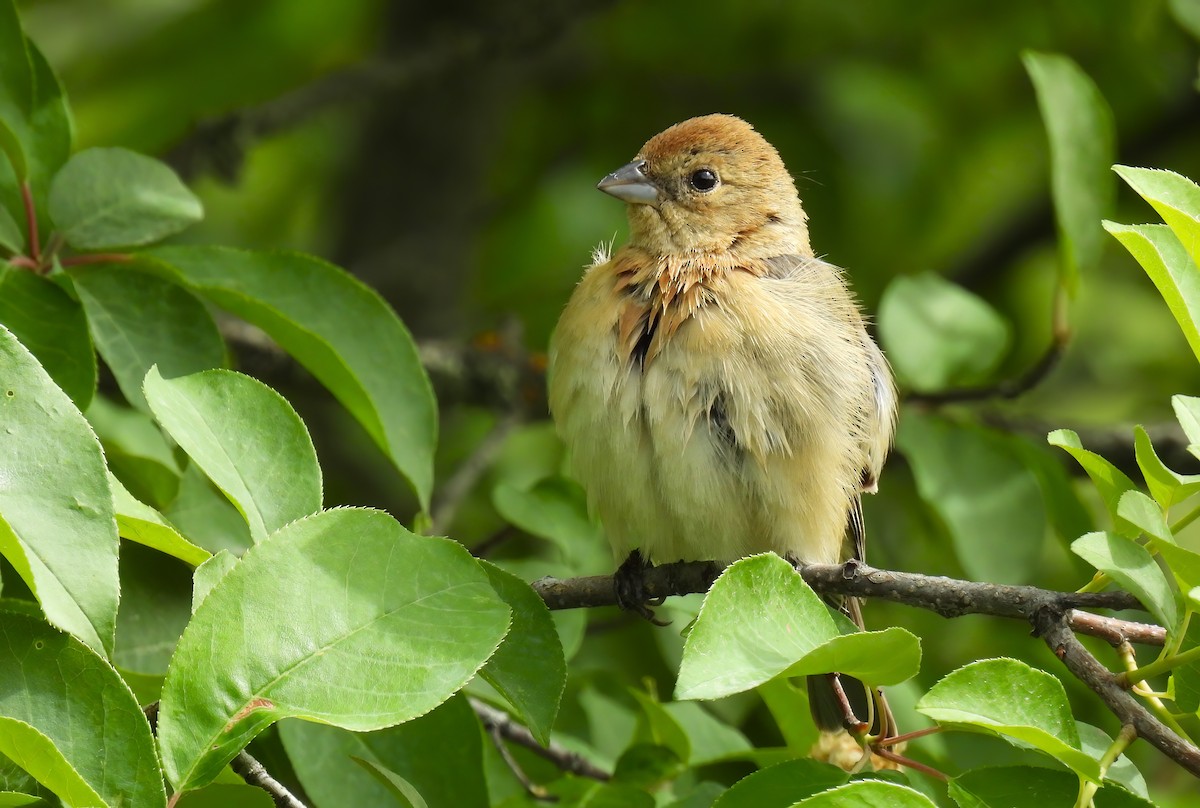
[711, 185]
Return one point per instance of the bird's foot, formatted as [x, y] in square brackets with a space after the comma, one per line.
[629, 586]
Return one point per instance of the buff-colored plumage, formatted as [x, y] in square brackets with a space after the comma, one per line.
[713, 380]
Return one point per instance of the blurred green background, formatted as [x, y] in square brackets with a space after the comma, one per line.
[446, 153]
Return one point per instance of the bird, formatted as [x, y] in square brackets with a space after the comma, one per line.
[713, 379]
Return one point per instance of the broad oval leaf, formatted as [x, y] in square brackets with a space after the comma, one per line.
[95, 733]
[1131, 566]
[534, 690]
[1080, 127]
[1109, 480]
[759, 619]
[356, 622]
[868, 794]
[1167, 263]
[1175, 197]
[111, 197]
[54, 329]
[57, 526]
[977, 482]
[246, 438]
[939, 335]
[418, 751]
[1006, 697]
[342, 331]
[139, 320]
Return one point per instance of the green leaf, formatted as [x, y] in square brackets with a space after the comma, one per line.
[1095, 742]
[209, 574]
[52, 326]
[709, 738]
[1109, 480]
[1164, 259]
[1080, 128]
[343, 632]
[534, 691]
[57, 527]
[400, 789]
[418, 751]
[886, 657]
[1023, 786]
[246, 438]
[1187, 410]
[868, 794]
[139, 522]
[206, 517]
[939, 335]
[1185, 680]
[15, 799]
[1008, 698]
[342, 331]
[782, 785]
[12, 237]
[155, 608]
[787, 701]
[758, 620]
[1175, 197]
[73, 724]
[139, 320]
[137, 452]
[1133, 568]
[1166, 486]
[659, 728]
[979, 485]
[108, 198]
[554, 509]
[37, 754]
[35, 125]
[648, 766]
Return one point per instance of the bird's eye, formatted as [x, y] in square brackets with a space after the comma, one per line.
[704, 179]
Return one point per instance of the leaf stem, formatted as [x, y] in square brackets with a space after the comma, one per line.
[1186, 519]
[1088, 788]
[1098, 582]
[1159, 666]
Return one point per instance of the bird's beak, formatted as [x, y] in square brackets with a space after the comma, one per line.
[630, 183]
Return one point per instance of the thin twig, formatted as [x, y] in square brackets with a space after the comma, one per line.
[531, 788]
[1054, 629]
[566, 760]
[1115, 631]
[254, 774]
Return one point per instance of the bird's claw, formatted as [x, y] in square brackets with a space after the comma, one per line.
[629, 586]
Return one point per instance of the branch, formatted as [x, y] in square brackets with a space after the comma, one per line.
[254, 774]
[246, 766]
[499, 722]
[1052, 614]
[1053, 629]
[455, 489]
[948, 597]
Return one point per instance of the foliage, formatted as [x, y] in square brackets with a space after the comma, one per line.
[170, 534]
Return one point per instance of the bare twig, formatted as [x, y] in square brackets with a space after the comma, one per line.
[254, 774]
[246, 766]
[499, 722]
[1053, 628]
[1053, 615]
